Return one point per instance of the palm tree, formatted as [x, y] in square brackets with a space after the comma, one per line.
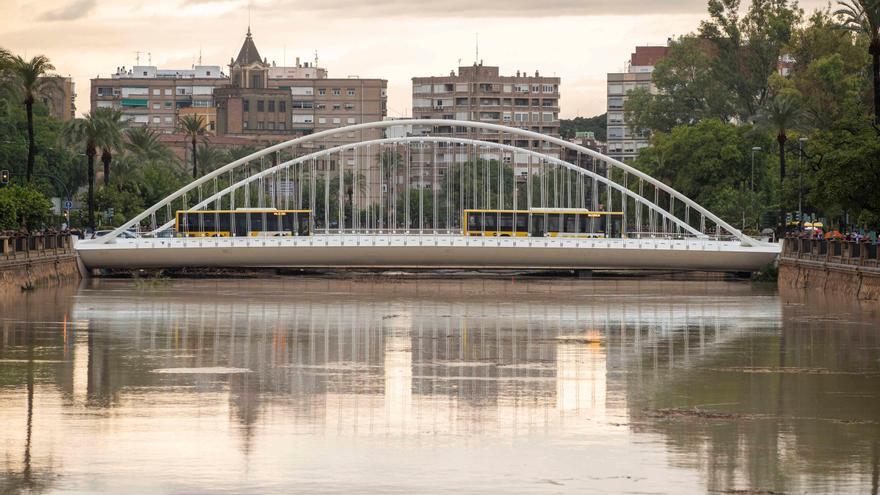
[145, 145]
[782, 114]
[109, 137]
[86, 132]
[29, 80]
[863, 16]
[193, 126]
[210, 158]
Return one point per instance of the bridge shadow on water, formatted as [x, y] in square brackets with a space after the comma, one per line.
[327, 385]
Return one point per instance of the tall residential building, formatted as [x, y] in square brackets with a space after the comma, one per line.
[480, 93]
[60, 97]
[623, 143]
[155, 97]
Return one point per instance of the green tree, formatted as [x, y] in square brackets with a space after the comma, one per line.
[23, 207]
[782, 114]
[568, 128]
[863, 16]
[86, 132]
[210, 157]
[28, 78]
[110, 137]
[144, 144]
[747, 48]
[688, 90]
[710, 162]
[193, 126]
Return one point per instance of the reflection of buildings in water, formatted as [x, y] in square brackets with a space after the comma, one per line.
[345, 362]
[580, 376]
[398, 370]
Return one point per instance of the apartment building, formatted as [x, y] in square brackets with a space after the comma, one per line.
[155, 97]
[60, 98]
[623, 143]
[480, 93]
[269, 102]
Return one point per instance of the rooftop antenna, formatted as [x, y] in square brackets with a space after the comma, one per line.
[149, 58]
[200, 55]
[478, 47]
[316, 58]
[137, 57]
[249, 17]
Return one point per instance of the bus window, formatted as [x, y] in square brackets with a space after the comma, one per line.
[490, 222]
[256, 222]
[207, 222]
[570, 222]
[584, 221]
[522, 223]
[506, 222]
[553, 223]
[474, 222]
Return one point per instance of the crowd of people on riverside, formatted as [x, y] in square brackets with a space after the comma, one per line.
[817, 231]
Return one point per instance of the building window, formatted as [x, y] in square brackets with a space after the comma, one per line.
[352, 120]
[281, 126]
[246, 105]
[244, 124]
[548, 88]
[211, 125]
[349, 106]
[157, 92]
[168, 92]
[337, 120]
[156, 106]
[167, 120]
[322, 92]
[301, 104]
[261, 105]
[261, 125]
[271, 126]
[337, 92]
[337, 106]
[167, 104]
[271, 105]
[256, 81]
[350, 92]
[282, 106]
[322, 120]
[155, 120]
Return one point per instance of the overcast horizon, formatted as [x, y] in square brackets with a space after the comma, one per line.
[579, 41]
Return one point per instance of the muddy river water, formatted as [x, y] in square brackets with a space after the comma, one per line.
[378, 385]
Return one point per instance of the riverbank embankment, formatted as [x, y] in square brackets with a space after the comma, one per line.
[841, 267]
[29, 261]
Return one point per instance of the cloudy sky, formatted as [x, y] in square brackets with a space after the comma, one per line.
[578, 40]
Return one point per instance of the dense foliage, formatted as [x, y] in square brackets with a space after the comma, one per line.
[598, 125]
[721, 92]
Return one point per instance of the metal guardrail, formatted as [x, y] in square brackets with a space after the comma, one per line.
[31, 246]
[864, 253]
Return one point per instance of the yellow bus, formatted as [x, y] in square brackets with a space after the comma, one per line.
[242, 222]
[543, 222]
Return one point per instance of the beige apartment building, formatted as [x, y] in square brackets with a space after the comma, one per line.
[60, 98]
[623, 143]
[256, 100]
[480, 93]
[155, 97]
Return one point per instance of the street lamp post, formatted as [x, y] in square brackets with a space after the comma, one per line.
[755, 149]
[801, 142]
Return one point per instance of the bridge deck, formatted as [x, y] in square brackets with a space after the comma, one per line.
[428, 251]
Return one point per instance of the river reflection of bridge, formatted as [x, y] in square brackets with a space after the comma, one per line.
[557, 368]
[516, 359]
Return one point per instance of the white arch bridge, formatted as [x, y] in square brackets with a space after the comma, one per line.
[428, 194]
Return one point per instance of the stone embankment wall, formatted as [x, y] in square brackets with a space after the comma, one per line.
[841, 267]
[37, 260]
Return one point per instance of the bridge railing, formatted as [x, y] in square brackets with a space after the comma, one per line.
[28, 246]
[864, 253]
